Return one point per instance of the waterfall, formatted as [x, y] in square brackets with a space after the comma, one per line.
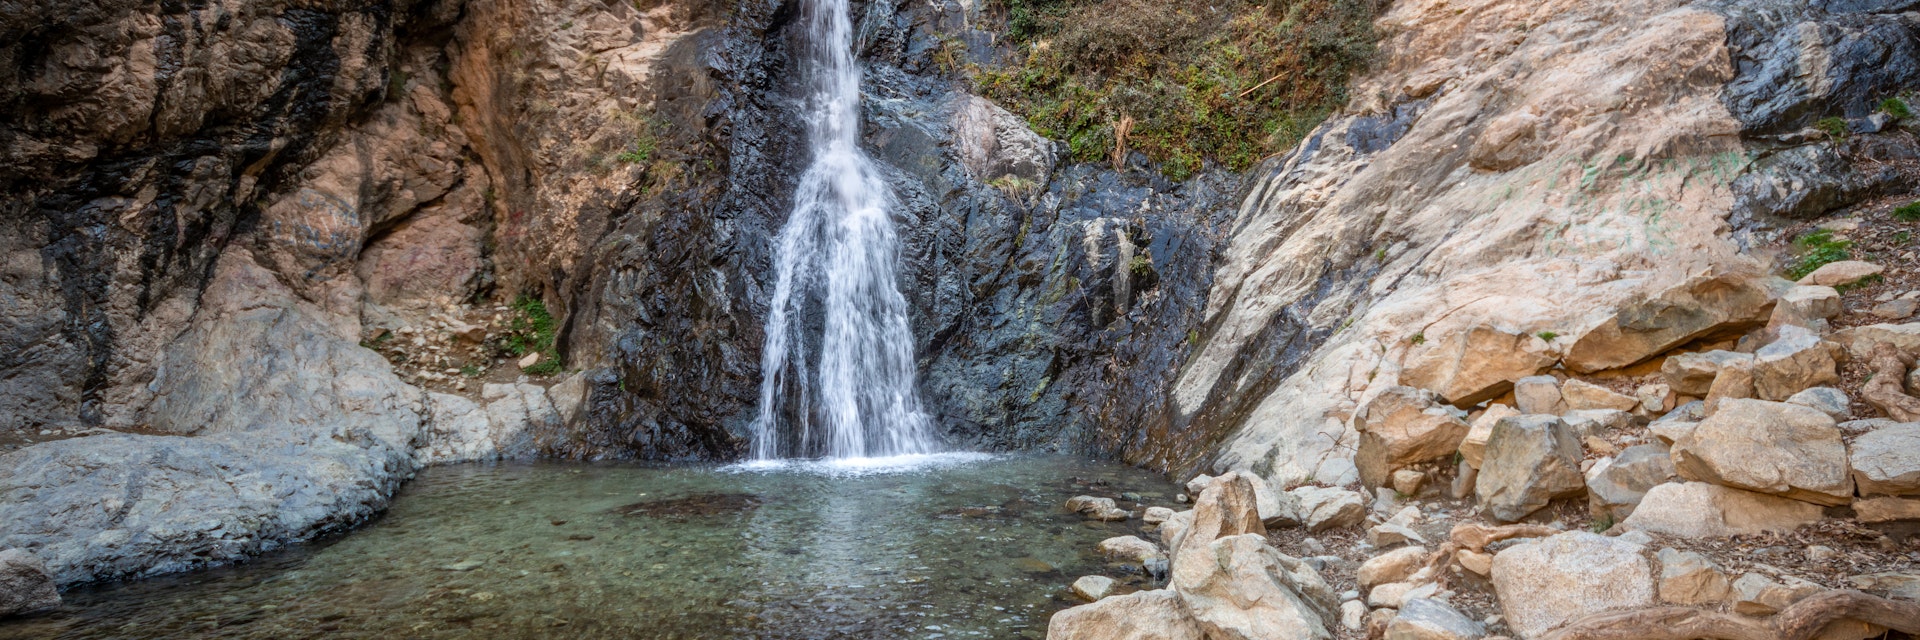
[836, 257]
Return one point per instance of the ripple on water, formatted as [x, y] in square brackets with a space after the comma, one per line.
[945, 545]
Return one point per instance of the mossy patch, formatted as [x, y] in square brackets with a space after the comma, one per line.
[1233, 81]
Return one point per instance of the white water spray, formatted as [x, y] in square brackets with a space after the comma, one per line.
[836, 255]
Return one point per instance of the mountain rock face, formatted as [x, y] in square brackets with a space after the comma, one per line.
[1519, 186]
[250, 245]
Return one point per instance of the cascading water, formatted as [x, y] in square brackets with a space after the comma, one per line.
[836, 256]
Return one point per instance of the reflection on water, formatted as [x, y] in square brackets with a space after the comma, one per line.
[948, 546]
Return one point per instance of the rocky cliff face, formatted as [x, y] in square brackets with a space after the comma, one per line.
[1525, 187]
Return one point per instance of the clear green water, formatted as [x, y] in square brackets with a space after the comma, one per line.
[972, 549]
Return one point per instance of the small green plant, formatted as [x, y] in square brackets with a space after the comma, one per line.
[1834, 127]
[1896, 107]
[1380, 255]
[1817, 249]
[1547, 335]
[1860, 284]
[1418, 339]
[1015, 186]
[532, 330]
[1908, 213]
[644, 144]
[470, 371]
[1902, 237]
[1602, 523]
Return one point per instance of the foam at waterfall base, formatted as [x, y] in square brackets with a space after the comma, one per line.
[908, 463]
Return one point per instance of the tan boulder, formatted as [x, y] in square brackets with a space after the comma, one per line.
[1479, 562]
[1473, 448]
[1129, 548]
[1323, 508]
[1616, 485]
[1688, 578]
[1156, 515]
[1401, 426]
[1142, 615]
[1701, 510]
[1768, 447]
[1693, 373]
[1735, 382]
[1580, 394]
[1539, 395]
[1430, 619]
[1093, 588]
[1530, 460]
[1549, 582]
[1887, 509]
[1844, 272]
[1392, 566]
[1886, 461]
[1883, 390]
[1096, 508]
[1228, 507]
[1467, 367]
[1695, 308]
[1796, 360]
[1656, 398]
[1241, 588]
[1859, 341]
[1805, 306]
[1758, 595]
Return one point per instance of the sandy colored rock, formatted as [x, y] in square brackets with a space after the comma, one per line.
[1895, 309]
[1429, 619]
[1394, 595]
[1758, 595]
[1796, 360]
[1551, 581]
[1142, 615]
[1353, 615]
[1886, 461]
[1693, 373]
[1805, 306]
[1597, 422]
[1734, 382]
[1702, 510]
[1408, 481]
[1129, 548]
[1898, 585]
[1697, 307]
[1616, 486]
[1883, 389]
[1656, 398]
[1467, 367]
[1828, 400]
[1403, 425]
[1226, 508]
[1844, 272]
[25, 584]
[1392, 566]
[1093, 588]
[1096, 508]
[1768, 447]
[1156, 515]
[1688, 578]
[1859, 341]
[1539, 395]
[1479, 562]
[1241, 588]
[1887, 509]
[1330, 507]
[1530, 460]
[1580, 394]
[1473, 448]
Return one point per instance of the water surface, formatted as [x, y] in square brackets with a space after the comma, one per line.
[961, 548]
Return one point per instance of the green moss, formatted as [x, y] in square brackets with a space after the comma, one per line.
[1418, 339]
[1835, 128]
[1896, 107]
[1547, 335]
[1232, 82]
[1909, 212]
[1815, 250]
[644, 144]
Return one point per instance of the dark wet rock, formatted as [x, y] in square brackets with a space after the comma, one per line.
[1802, 182]
[1796, 63]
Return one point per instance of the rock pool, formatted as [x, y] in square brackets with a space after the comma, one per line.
[957, 546]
